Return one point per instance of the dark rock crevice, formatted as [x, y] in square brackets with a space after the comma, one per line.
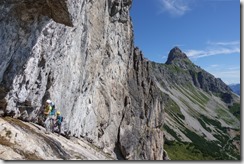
[119, 10]
[118, 149]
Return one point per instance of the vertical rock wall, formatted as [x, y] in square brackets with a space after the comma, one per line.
[141, 135]
[80, 54]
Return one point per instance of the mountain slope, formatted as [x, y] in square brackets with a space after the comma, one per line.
[81, 55]
[236, 88]
[199, 110]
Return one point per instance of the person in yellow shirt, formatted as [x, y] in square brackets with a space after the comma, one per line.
[47, 111]
[48, 107]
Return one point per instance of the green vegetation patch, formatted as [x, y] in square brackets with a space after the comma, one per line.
[187, 94]
[195, 96]
[175, 69]
[204, 125]
[173, 109]
[213, 122]
[210, 149]
[200, 97]
[191, 110]
[201, 148]
[184, 151]
[197, 151]
[235, 110]
[225, 115]
[171, 132]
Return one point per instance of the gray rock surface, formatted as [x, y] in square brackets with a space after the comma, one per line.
[80, 54]
[27, 141]
[141, 136]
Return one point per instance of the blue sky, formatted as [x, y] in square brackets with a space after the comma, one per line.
[208, 31]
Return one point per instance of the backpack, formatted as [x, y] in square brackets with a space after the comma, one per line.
[53, 110]
[60, 119]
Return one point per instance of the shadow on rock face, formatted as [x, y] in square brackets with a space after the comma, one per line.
[20, 26]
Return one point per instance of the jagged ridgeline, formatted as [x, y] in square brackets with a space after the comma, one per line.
[116, 104]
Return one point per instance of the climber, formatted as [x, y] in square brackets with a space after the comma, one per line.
[53, 117]
[47, 113]
[47, 108]
[59, 120]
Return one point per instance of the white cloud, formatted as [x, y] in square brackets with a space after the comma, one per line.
[234, 68]
[215, 48]
[214, 65]
[232, 43]
[229, 74]
[175, 7]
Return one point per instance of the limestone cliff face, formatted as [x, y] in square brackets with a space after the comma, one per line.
[141, 127]
[27, 141]
[80, 54]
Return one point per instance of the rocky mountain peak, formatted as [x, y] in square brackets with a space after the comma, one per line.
[177, 57]
[116, 104]
[175, 54]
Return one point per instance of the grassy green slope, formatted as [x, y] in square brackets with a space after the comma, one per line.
[199, 125]
[201, 148]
